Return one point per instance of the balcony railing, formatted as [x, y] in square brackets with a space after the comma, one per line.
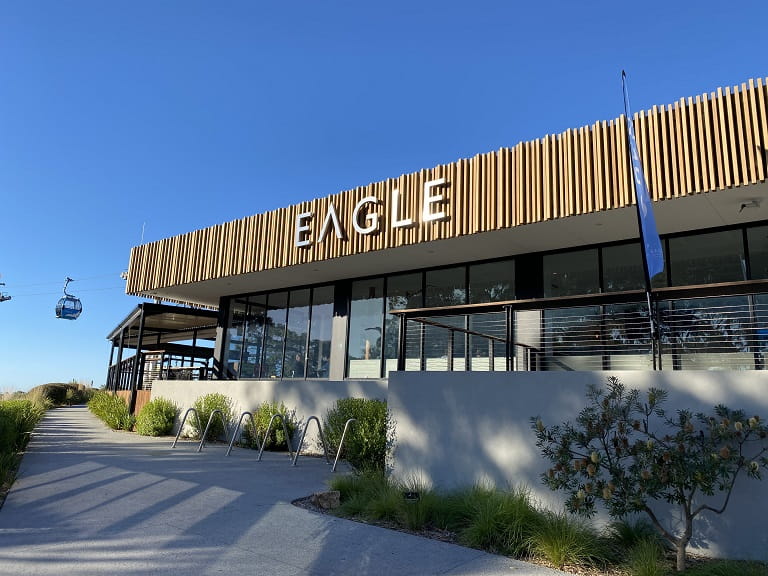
[713, 327]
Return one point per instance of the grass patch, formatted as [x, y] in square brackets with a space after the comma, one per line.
[728, 568]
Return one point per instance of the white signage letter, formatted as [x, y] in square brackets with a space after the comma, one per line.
[371, 217]
[331, 218]
[396, 221]
[302, 228]
[428, 215]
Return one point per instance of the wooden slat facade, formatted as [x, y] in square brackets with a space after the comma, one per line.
[713, 142]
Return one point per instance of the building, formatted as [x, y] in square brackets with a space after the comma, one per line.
[521, 260]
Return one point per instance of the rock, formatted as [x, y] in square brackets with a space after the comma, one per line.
[327, 500]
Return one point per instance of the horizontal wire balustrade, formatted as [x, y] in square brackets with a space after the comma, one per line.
[712, 327]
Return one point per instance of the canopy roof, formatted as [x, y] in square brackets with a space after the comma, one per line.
[163, 325]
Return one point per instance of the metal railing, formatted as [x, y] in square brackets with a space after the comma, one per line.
[718, 327]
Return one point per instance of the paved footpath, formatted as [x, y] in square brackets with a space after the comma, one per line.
[92, 501]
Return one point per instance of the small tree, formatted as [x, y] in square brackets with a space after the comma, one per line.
[625, 451]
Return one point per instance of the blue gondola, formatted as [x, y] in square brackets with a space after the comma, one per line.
[68, 307]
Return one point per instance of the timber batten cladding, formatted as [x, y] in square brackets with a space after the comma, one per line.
[696, 145]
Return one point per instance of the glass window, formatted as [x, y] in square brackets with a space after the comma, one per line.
[403, 291]
[707, 334]
[707, 258]
[571, 273]
[254, 337]
[365, 326]
[757, 239]
[235, 332]
[321, 321]
[623, 268]
[277, 308]
[294, 361]
[492, 282]
[446, 287]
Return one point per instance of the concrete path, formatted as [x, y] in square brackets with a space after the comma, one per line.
[91, 501]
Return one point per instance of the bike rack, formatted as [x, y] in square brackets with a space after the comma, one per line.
[269, 427]
[237, 429]
[183, 421]
[210, 421]
[322, 440]
[341, 442]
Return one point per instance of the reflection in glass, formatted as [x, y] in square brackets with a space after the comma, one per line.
[492, 282]
[571, 273]
[404, 291]
[707, 333]
[277, 308]
[294, 361]
[235, 331]
[366, 317]
[707, 258]
[320, 333]
[254, 337]
[446, 287]
[623, 268]
[757, 242]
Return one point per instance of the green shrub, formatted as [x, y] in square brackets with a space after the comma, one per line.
[157, 418]
[646, 558]
[17, 419]
[61, 394]
[205, 405]
[562, 539]
[276, 439]
[112, 410]
[368, 440]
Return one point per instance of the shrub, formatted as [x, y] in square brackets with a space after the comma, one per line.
[17, 419]
[157, 418]
[368, 440]
[205, 405]
[498, 521]
[276, 439]
[646, 558]
[625, 451]
[112, 410]
[562, 539]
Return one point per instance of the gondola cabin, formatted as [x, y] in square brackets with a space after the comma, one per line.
[68, 307]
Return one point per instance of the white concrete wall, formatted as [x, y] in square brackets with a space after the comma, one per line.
[456, 429]
[307, 397]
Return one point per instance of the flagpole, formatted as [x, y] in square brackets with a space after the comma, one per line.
[650, 243]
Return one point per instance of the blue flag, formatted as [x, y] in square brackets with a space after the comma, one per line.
[649, 237]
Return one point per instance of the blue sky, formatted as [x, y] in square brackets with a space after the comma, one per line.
[119, 119]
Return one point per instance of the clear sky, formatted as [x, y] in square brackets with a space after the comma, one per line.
[123, 120]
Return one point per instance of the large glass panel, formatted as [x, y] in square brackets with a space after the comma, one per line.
[492, 282]
[488, 341]
[707, 258]
[365, 325]
[444, 348]
[254, 337]
[295, 358]
[235, 332]
[404, 291]
[320, 332]
[571, 273]
[627, 337]
[757, 242]
[623, 268]
[707, 334]
[446, 287]
[572, 339]
[277, 307]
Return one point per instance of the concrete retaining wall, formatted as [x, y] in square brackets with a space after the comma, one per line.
[307, 397]
[456, 429]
